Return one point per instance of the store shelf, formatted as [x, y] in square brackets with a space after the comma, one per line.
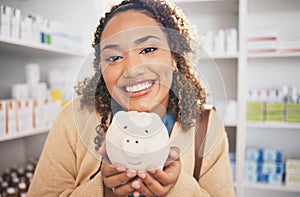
[278, 125]
[10, 46]
[283, 188]
[274, 55]
[23, 134]
[233, 56]
[198, 1]
[230, 124]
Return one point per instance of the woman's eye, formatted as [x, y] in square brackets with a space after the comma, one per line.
[148, 50]
[113, 58]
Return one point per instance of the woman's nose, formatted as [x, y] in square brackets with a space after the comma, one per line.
[133, 65]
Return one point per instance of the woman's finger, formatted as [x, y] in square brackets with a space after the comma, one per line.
[141, 188]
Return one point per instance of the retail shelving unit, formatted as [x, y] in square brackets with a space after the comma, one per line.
[15, 54]
[248, 70]
[239, 72]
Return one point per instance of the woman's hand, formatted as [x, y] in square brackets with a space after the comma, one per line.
[155, 182]
[116, 177]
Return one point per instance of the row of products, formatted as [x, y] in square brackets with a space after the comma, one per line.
[275, 105]
[19, 116]
[268, 41]
[292, 176]
[60, 85]
[33, 106]
[264, 166]
[32, 28]
[15, 181]
[220, 42]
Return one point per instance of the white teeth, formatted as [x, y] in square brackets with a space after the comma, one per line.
[138, 87]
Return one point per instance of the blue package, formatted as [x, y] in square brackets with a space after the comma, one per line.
[254, 154]
[272, 179]
[253, 167]
[253, 178]
[271, 155]
[272, 168]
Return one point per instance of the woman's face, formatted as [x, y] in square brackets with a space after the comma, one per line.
[136, 61]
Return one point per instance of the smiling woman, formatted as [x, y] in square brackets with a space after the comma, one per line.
[143, 64]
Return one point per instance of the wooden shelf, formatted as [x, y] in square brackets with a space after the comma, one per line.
[12, 47]
[278, 125]
[271, 187]
[23, 134]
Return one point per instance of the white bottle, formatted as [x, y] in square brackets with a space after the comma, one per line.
[26, 29]
[5, 21]
[231, 41]
[16, 24]
[207, 42]
[219, 43]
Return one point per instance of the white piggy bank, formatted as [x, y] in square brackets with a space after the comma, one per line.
[137, 140]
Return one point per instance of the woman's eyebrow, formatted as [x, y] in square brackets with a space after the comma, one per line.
[138, 41]
[145, 38]
[110, 46]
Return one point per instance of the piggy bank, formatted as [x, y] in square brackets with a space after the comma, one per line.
[137, 140]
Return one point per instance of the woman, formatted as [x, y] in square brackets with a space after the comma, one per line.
[141, 64]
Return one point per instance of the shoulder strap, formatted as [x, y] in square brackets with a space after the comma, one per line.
[199, 140]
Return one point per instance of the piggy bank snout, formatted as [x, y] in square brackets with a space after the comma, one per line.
[133, 147]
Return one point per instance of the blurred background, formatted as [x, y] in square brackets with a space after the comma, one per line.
[252, 47]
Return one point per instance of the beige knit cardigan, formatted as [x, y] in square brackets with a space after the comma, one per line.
[66, 164]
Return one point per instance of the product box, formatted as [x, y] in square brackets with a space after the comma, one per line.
[275, 112]
[254, 154]
[25, 115]
[253, 167]
[272, 155]
[2, 118]
[292, 180]
[20, 91]
[293, 112]
[272, 179]
[272, 168]
[11, 127]
[293, 166]
[260, 155]
[16, 23]
[255, 111]
[253, 178]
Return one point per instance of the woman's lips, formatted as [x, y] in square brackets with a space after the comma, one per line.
[139, 88]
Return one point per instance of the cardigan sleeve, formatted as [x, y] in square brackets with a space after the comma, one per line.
[56, 171]
[215, 175]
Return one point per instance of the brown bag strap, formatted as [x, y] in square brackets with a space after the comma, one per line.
[200, 141]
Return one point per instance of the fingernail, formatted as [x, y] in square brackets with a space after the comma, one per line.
[121, 168]
[136, 185]
[142, 174]
[131, 174]
[151, 170]
[136, 194]
[173, 154]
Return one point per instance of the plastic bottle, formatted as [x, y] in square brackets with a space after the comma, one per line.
[22, 189]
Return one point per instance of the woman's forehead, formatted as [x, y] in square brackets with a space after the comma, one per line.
[132, 20]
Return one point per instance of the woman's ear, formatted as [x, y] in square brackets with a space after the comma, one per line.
[174, 65]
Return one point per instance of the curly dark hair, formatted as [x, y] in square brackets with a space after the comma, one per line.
[186, 96]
